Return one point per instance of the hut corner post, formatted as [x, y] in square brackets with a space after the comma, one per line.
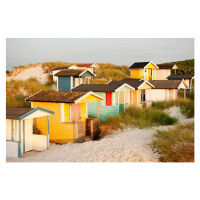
[47, 131]
[24, 136]
[19, 143]
[184, 93]
[124, 101]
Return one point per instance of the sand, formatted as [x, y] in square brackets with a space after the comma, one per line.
[129, 145]
[32, 72]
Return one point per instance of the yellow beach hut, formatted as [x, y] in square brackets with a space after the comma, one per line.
[68, 124]
[143, 70]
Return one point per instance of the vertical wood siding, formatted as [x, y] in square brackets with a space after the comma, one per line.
[64, 84]
[135, 73]
[11, 149]
[104, 111]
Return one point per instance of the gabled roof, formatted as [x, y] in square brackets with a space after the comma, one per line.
[60, 68]
[182, 76]
[73, 72]
[135, 83]
[166, 84]
[101, 87]
[23, 113]
[141, 65]
[15, 113]
[167, 66]
[95, 88]
[87, 65]
[69, 72]
[60, 97]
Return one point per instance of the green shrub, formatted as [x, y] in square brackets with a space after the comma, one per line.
[175, 144]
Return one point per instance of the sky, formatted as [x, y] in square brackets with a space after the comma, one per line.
[122, 51]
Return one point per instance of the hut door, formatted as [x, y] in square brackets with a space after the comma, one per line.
[170, 94]
[78, 113]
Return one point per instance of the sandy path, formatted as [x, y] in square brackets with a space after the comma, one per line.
[129, 145]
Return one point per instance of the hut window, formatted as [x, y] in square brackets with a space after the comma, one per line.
[108, 98]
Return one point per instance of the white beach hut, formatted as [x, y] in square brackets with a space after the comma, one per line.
[19, 131]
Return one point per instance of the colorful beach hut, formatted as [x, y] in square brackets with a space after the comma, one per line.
[68, 124]
[70, 78]
[19, 130]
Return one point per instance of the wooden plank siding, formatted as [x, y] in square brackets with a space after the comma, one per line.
[135, 73]
[57, 130]
[104, 111]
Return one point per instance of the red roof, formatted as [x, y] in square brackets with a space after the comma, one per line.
[84, 64]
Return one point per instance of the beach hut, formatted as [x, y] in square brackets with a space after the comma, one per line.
[136, 97]
[93, 67]
[143, 70]
[186, 77]
[70, 78]
[165, 70]
[19, 130]
[68, 124]
[165, 89]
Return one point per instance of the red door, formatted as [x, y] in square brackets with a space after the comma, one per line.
[108, 98]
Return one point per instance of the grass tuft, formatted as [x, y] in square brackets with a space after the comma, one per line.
[137, 117]
[175, 144]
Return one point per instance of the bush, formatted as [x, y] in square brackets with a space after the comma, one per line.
[175, 144]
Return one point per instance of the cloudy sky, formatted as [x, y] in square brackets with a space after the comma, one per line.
[116, 51]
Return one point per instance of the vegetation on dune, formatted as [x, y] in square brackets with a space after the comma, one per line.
[112, 74]
[186, 106]
[189, 94]
[184, 67]
[175, 144]
[50, 65]
[138, 117]
[17, 91]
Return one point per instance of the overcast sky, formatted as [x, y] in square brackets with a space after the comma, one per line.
[116, 51]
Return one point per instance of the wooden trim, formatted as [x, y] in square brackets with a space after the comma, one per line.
[47, 131]
[75, 115]
[19, 147]
[124, 101]
[98, 109]
[24, 145]
[12, 130]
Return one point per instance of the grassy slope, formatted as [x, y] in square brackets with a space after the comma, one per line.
[17, 91]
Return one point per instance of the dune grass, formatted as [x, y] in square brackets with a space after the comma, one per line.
[17, 91]
[175, 144]
[186, 105]
[112, 74]
[189, 95]
[137, 117]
